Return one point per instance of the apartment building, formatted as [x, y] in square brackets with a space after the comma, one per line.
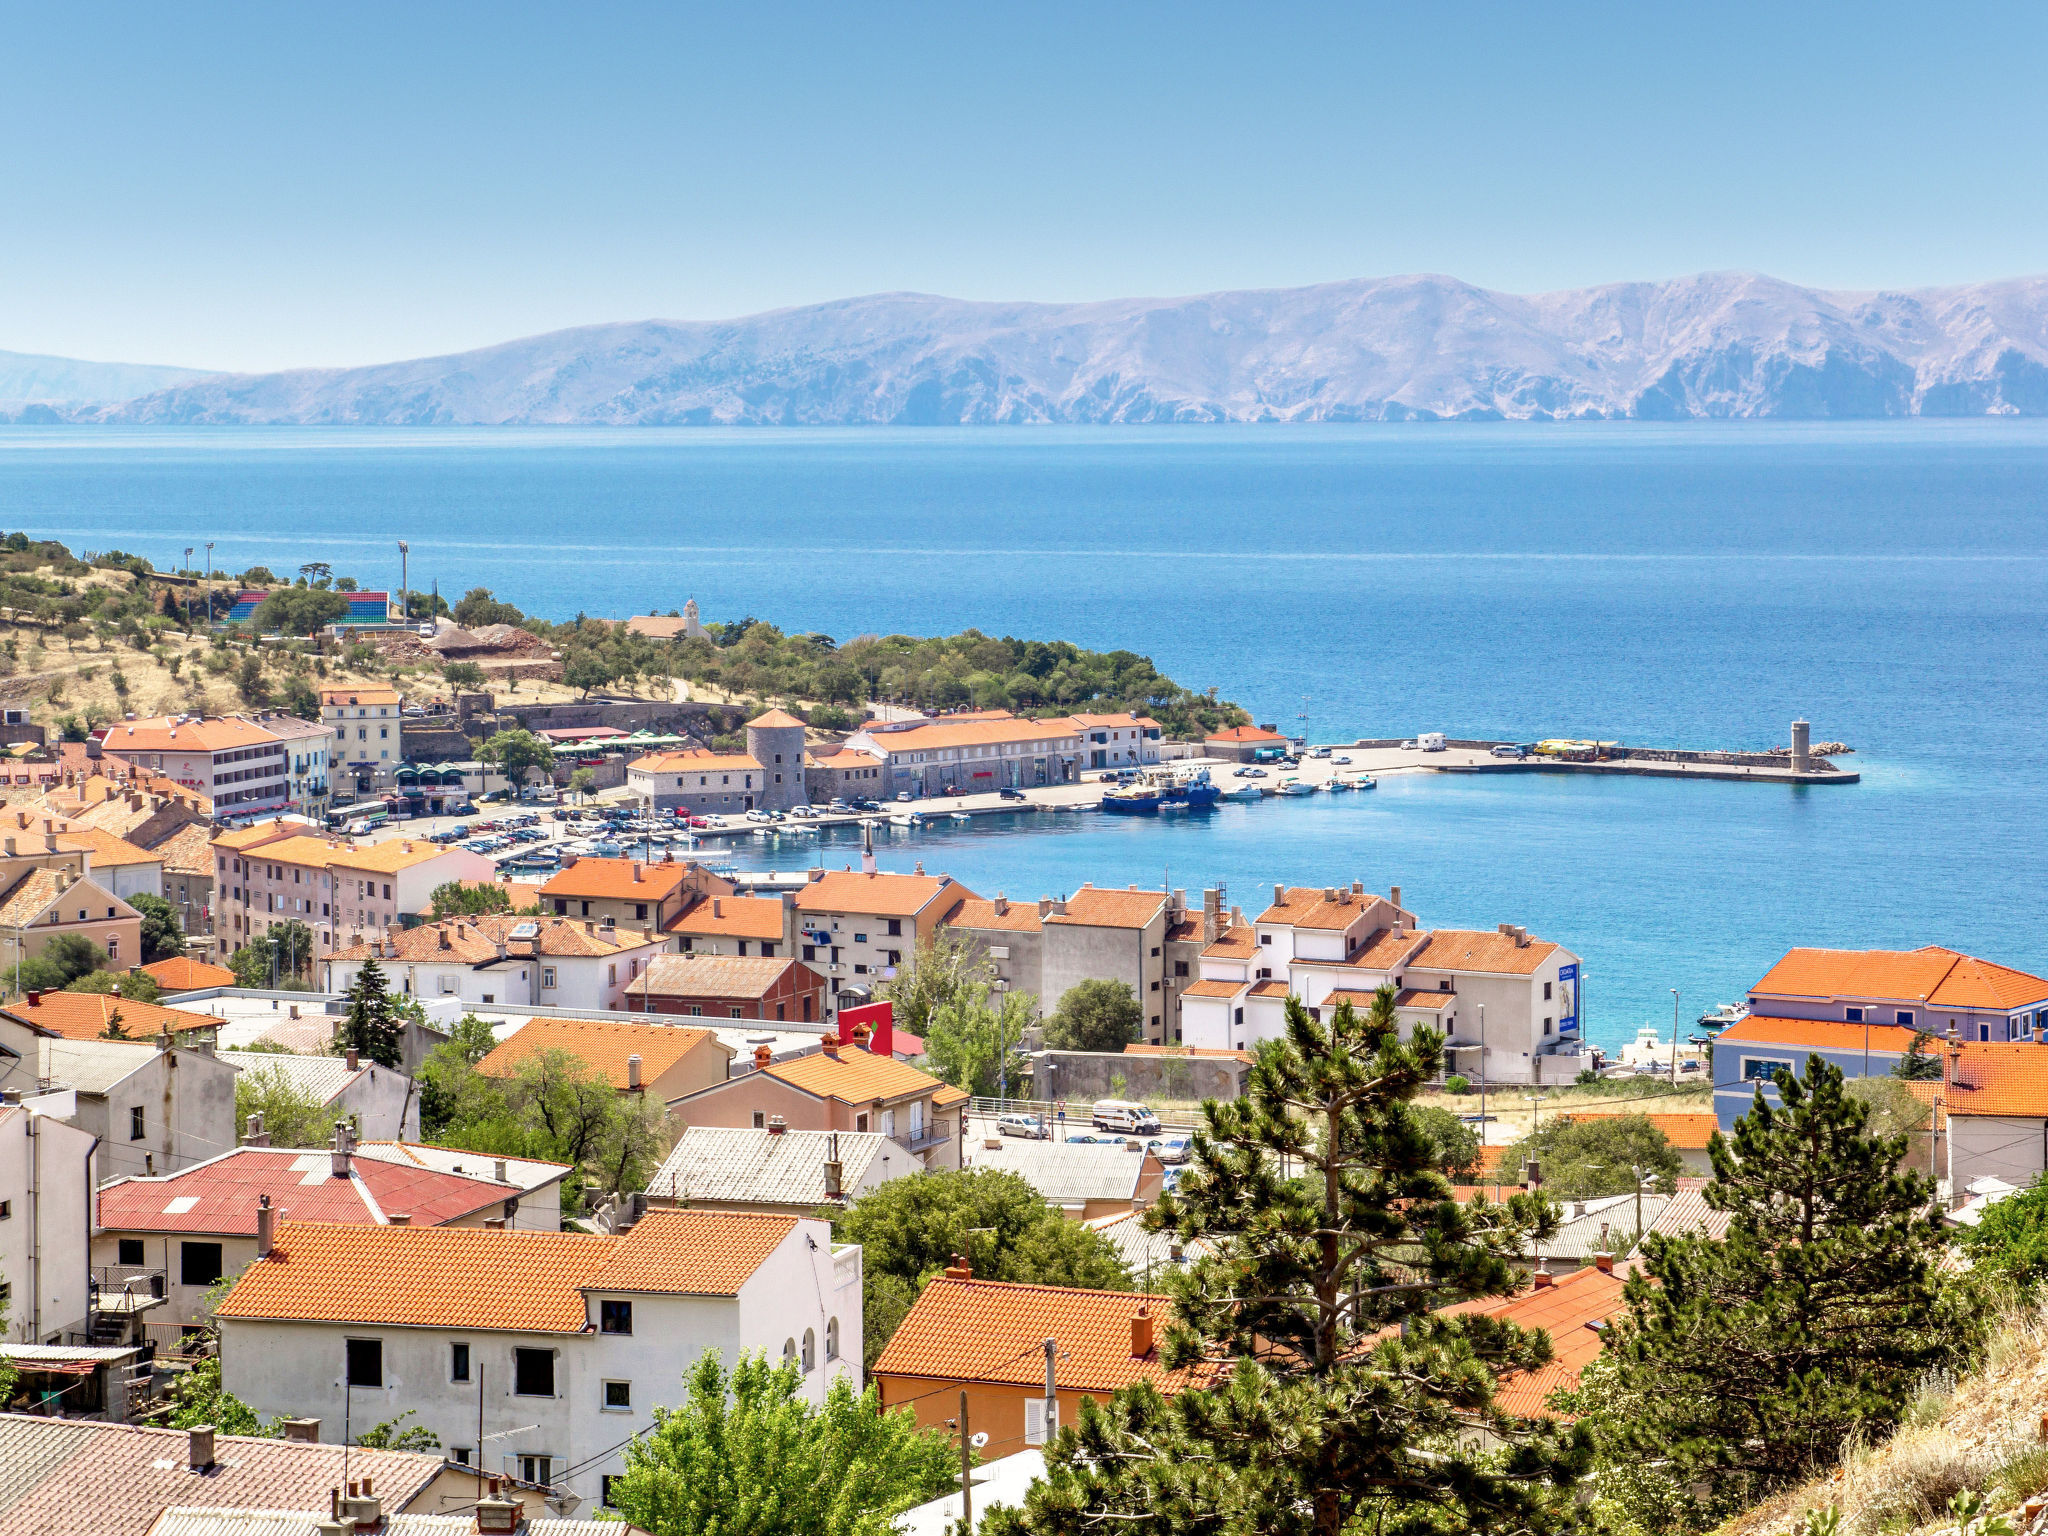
[630, 893]
[309, 759]
[556, 1345]
[714, 986]
[154, 1108]
[41, 903]
[1117, 741]
[968, 754]
[367, 732]
[858, 928]
[698, 783]
[46, 1181]
[761, 926]
[238, 765]
[502, 961]
[659, 1061]
[1092, 934]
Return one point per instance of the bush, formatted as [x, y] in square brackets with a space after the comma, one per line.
[1456, 1084]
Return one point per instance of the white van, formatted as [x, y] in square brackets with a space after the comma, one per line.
[1124, 1115]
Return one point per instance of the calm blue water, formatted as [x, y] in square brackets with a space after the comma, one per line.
[1698, 584]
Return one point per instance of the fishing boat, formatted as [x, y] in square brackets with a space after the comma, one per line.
[1140, 799]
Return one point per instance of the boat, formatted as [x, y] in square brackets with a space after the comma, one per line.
[1139, 799]
[1367, 781]
[907, 819]
[1244, 792]
[1293, 787]
[960, 816]
[1339, 784]
[1723, 1016]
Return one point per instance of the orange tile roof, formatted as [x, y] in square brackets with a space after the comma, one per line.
[1941, 978]
[1817, 1034]
[1022, 916]
[602, 1045]
[731, 917]
[1185, 1050]
[235, 839]
[1418, 997]
[2000, 1078]
[777, 720]
[162, 733]
[1268, 989]
[37, 891]
[876, 895]
[1687, 1131]
[1564, 1310]
[853, 1076]
[181, 973]
[1245, 733]
[86, 1015]
[1310, 907]
[699, 1253]
[616, 880]
[989, 1331]
[728, 976]
[1974, 983]
[475, 940]
[353, 696]
[390, 856]
[1232, 944]
[1110, 722]
[695, 760]
[1385, 949]
[1360, 1001]
[1461, 949]
[939, 735]
[844, 759]
[107, 851]
[1213, 989]
[1093, 908]
[1188, 930]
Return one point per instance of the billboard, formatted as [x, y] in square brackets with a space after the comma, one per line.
[1568, 999]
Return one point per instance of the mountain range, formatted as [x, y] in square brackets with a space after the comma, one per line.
[1379, 349]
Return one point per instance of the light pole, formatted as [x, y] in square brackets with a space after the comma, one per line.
[188, 590]
[209, 583]
[1674, 1037]
[404, 575]
[1482, 1074]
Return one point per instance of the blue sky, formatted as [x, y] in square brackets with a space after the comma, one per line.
[273, 185]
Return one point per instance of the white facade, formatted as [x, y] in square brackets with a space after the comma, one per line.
[46, 1183]
[582, 983]
[154, 1111]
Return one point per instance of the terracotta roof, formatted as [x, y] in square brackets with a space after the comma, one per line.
[219, 1195]
[1188, 930]
[390, 856]
[1688, 1132]
[1245, 733]
[603, 1045]
[657, 626]
[301, 848]
[85, 1015]
[777, 720]
[854, 1076]
[692, 1253]
[615, 880]
[187, 851]
[1418, 997]
[695, 761]
[1975, 983]
[1233, 944]
[235, 839]
[701, 975]
[77, 1477]
[1462, 949]
[1941, 978]
[1111, 722]
[731, 917]
[1563, 1309]
[162, 733]
[35, 892]
[1022, 916]
[181, 973]
[355, 696]
[1213, 989]
[878, 895]
[1817, 1034]
[940, 735]
[1268, 989]
[1095, 908]
[2000, 1078]
[990, 1331]
[1309, 907]
[107, 851]
[844, 759]
[475, 940]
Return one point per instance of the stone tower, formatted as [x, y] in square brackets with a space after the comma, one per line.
[776, 741]
[693, 628]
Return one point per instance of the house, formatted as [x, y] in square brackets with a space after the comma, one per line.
[46, 1181]
[697, 782]
[240, 767]
[842, 1088]
[986, 1337]
[1990, 1113]
[188, 876]
[503, 1512]
[1748, 1054]
[181, 973]
[662, 1061]
[1930, 988]
[154, 1110]
[725, 1168]
[1117, 741]
[1010, 936]
[40, 904]
[734, 925]
[859, 928]
[75, 1477]
[1085, 1180]
[1108, 935]
[502, 961]
[1574, 1310]
[1245, 744]
[775, 740]
[382, 1103]
[556, 1345]
[103, 1016]
[539, 1183]
[366, 726]
[838, 774]
[118, 865]
[184, 1231]
[630, 893]
[730, 987]
[967, 754]
[1005, 1480]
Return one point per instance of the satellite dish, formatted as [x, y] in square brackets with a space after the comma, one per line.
[980, 1440]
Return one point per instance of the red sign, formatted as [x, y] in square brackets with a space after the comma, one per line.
[880, 1019]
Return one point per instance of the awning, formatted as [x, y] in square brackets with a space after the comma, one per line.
[56, 1367]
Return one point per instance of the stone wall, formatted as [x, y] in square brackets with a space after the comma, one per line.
[1082, 1077]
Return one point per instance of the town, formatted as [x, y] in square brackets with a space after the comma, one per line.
[410, 1115]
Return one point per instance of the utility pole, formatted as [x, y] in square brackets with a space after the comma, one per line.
[966, 1469]
[1674, 1037]
[1052, 1391]
[1482, 1075]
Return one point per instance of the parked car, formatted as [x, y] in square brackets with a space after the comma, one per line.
[1255, 773]
[758, 816]
[867, 805]
[1505, 749]
[1023, 1125]
[1343, 762]
[1170, 1149]
[1408, 745]
[1009, 794]
[903, 796]
[1320, 752]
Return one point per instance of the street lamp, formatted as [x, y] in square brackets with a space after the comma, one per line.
[1674, 1037]
[404, 576]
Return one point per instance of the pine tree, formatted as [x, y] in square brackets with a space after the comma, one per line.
[371, 1026]
[1344, 1396]
[1752, 1360]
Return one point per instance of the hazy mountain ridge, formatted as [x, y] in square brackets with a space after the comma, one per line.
[32, 384]
[1404, 348]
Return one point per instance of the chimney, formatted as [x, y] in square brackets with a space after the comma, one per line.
[340, 1150]
[266, 1226]
[1059, 906]
[495, 1221]
[633, 1073]
[306, 1431]
[1279, 895]
[777, 1126]
[637, 877]
[498, 1171]
[1542, 1277]
[1394, 895]
[355, 1062]
[257, 1136]
[831, 1046]
[1604, 1262]
[443, 932]
[1358, 887]
[959, 1269]
[1044, 906]
[1002, 905]
[834, 1170]
[1141, 1332]
[1521, 937]
[497, 1515]
[35, 998]
[717, 906]
[1330, 893]
[763, 1054]
[199, 1448]
[400, 1218]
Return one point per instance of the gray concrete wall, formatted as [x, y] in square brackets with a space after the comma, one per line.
[1085, 1076]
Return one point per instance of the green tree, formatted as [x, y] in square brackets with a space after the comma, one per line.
[1917, 1066]
[198, 1398]
[163, 933]
[1598, 1155]
[292, 1116]
[252, 963]
[514, 752]
[479, 608]
[1351, 1401]
[972, 1036]
[136, 986]
[582, 781]
[1457, 1144]
[1752, 1361]
[249, 680]
[1095, 1015]
[8, 1378]
[910, 1230]
[939, 971]
[2011, 1237]
[298, 698]
[463, 674]
[451, 1092]
[371, 1025]
[298, 611]
[747, 1455]
[467, 898]
[390, 1436]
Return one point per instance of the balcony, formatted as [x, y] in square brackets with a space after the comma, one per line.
[933, 1135]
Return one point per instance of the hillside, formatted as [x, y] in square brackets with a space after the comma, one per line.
[37, 387]
[1385, 349]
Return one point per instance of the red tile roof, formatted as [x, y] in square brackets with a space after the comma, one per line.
[87, 1015]
[162, 733]
[1245, 733]
[1494, 953]
[1092, 908]
[1313, 907]
[1564, 1310]
[1213, 989]
[776, 720]
[1233, 944]
[181, 973]
[695, 761]
[1269, 989]
[2000, 1078]
[1021, 916]
[731, 917]
[219, 1195]
[603, 1045]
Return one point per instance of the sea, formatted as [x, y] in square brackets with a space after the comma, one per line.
[1696, 584]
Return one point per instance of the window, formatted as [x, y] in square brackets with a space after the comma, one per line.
[696, 1010]
[365, 1362]
[618, 1397]
[1265, 938]
[639, 909]
[136, 1129]
[810, 1360]
[1983, 1032]
[462, 1455]
[131, 1251]
[533, 1375]
[547, 976]
[1906, 1017]
[767, 950]
[1546, 1026]
[7, 1214]
[789, 1349]
[537, 1469]
[1758, 1069]
[760, 1119]
[604, 1496]
[832, 1339]
[458, 1362]
[1853, 1015]
[860, 1122]
[1180, 967]
[895, 927]
[615, 1317]
[860, 938]
[113, 941]
[1546, 991]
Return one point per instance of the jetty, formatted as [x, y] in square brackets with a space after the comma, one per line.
[1798, 763]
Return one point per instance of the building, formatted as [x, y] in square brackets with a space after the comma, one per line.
[1010, 936]
[309, 759]
[842, 1088]
[860, 928]
[154, 1110]
[182, 1232]
[836, 773]
[40, 905]
[1574, 1311]
[792, 1173]
[682, 626]
[549, 962]
[1109, 935]
[1245, 744]
[967, 755]
[103, 1016]
[1117, 741]
[735, 925]
[775, 740]
[1004, 1480]
[75, 1477]
[630, 893]
[382, 1103]
[1688, 1134]
[367, 736]
[188, 876]
[1085, 1180]
[557, 1345]
[239, 766]
[1148, 1256]
[986, 1337]
[119, 866]
[1749, 1053]
[181, 973]
[1929, 989]
[695, 782]
[46, 1182]
[660, 1061]
[714, 986]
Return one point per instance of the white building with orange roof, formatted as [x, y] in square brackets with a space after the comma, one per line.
[504, 961]
[1117, 741]
[698, 782]
[367, 732]
[238, 765]
[556, 1345]
[634, 893]
[858, 928]
[116, 863]
[761, 926]
[965, 755]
